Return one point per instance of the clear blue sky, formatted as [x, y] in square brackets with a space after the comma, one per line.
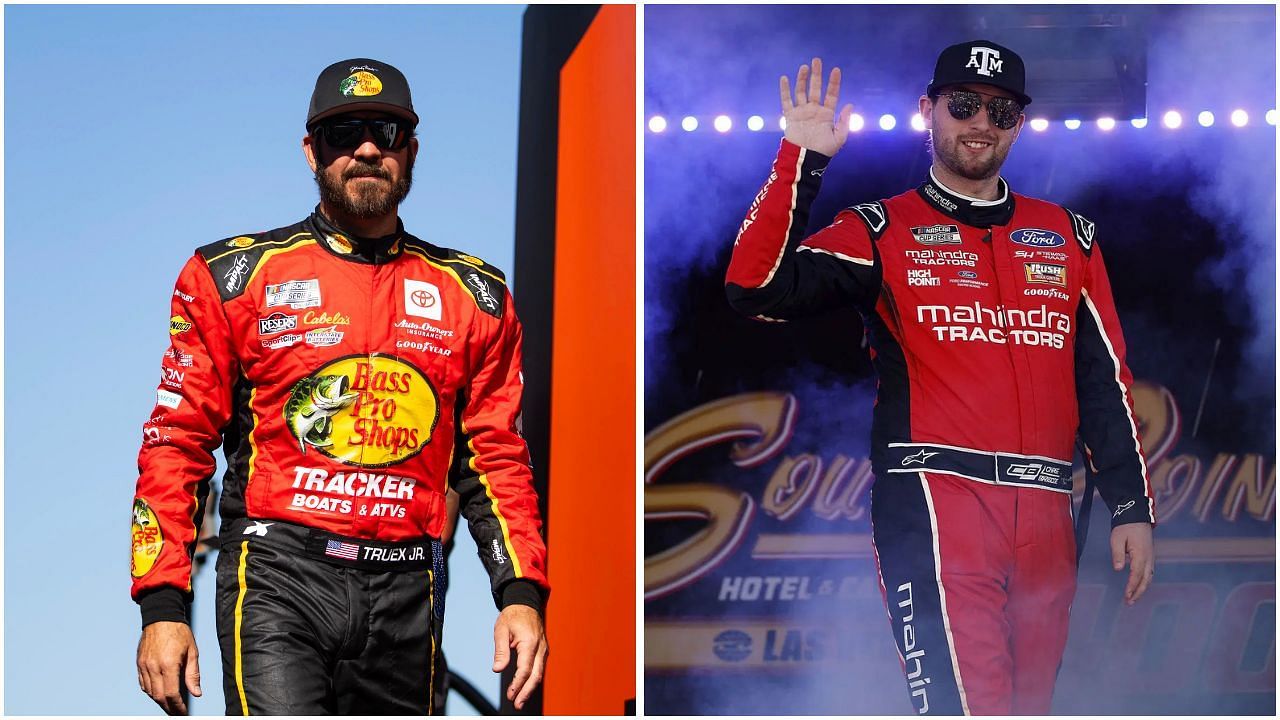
[132, 135]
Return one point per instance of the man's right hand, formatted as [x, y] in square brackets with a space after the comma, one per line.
[811, 119]
[167, 657]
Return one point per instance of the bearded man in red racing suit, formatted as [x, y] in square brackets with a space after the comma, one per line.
[354, 375]
[995, 339]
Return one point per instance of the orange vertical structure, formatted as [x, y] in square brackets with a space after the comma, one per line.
[591, 618]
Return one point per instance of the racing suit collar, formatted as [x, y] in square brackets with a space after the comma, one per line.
[968, 210]
[349, 246]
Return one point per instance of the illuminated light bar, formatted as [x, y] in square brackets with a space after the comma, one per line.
[689, 123]
[888, 122]
[1205, 119]
[782, 123]
[722, 123]
[917, 123]
[1239, 118]
[755, 123]
[1106, 124]
[1138, 122]
[856, 122]
[1039, 124]
[1173, 119]
[657, 124]
[1271, 117]
[1072, 124]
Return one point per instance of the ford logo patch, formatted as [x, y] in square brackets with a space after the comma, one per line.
[1032, 237]
[967, 274]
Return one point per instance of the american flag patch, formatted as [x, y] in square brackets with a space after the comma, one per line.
[344, 550]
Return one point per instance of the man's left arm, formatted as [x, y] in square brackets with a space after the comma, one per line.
[1108, 424]
[492, 477]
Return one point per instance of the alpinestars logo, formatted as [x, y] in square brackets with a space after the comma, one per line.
[985, 60]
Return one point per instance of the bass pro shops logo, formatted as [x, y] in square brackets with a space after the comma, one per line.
[147, 540]
[366, 410]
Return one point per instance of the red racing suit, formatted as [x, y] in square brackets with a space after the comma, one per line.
[996, 342]
[352, 383]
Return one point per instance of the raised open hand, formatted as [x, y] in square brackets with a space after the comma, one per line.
[811, 119]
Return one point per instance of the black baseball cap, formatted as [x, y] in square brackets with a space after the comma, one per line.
[981, 61]
[360, 84]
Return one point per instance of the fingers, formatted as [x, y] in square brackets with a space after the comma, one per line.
[524, 669]
[1117, 551]
[815, 81]
[535, 676]
[784, 87]
[1145, 578]
[171, 695]
[833, 90]
[501, 646]
[193, 671]
[802, 85]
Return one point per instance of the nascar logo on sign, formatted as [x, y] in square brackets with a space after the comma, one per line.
[1046, 273]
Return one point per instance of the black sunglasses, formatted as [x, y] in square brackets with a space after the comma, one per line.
[964, 104]
[345, 133]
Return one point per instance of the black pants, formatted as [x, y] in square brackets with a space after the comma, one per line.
[306, 634]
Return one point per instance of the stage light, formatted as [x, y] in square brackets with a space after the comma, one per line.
[782, 123]
[1205, 119]
[887, 122]
[723, 123]
[917, 123]
[856, 122]
[657, 124]
[1271, 117]
[1239, 118]
[689, 123]
[1072, 124]
[755, 123]
[1039, 124]
[1173, 119]
[1106, 123]
[1138, 122]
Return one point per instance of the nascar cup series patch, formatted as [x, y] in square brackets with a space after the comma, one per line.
[147, 540]
[366, 410]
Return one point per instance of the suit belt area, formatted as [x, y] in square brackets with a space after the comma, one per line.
[360, 553]
[995, 468]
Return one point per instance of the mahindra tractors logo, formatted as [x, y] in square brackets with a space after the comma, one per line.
[985, 60]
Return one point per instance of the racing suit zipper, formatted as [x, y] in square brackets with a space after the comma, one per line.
[995, 266]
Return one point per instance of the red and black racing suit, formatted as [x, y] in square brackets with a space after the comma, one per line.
[995, 339]
[352, 382]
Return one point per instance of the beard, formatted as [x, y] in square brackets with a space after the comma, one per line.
[949, 154]
[364, 200]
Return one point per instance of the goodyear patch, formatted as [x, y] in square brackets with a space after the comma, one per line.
[147, 539]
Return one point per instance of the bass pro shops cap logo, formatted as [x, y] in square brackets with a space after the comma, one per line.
[147, 540]
[985, 60]
[366, 410]
[360, 83]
